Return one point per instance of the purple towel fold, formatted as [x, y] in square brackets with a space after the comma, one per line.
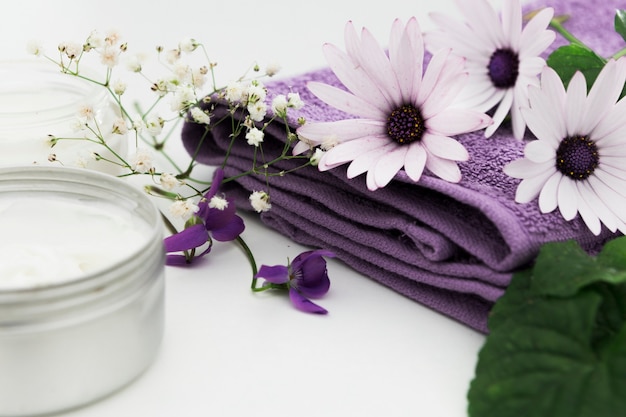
[452, 247]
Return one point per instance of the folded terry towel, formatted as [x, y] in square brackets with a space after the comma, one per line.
[452, 247]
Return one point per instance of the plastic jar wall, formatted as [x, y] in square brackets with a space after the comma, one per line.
[37, 100]
[68, 343]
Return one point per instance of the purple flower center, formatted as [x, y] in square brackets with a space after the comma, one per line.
[577, 157]
[405, 125]
[503, 68]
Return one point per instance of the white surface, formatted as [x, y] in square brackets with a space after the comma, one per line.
[227, 351]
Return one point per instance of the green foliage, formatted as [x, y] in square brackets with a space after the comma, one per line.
[557, 346]
[568, 59]
[620, 23]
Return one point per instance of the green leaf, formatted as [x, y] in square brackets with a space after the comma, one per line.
[557, 342]
[563, 268]
[620, 23]
[568, 59]
[541, 363]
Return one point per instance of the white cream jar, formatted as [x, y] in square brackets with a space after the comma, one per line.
[87, 318]
[37, 100]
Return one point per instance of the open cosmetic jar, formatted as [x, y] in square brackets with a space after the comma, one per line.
[37, 100]
[81, 287]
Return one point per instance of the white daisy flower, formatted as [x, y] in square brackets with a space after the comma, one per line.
[578, 162]
[404, 116]
[502, 58]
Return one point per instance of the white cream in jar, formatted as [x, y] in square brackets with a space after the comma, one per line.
[48, 240]
[85, 317]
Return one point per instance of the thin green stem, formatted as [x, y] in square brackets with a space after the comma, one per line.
[557, 24]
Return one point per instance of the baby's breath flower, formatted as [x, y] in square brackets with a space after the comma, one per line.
[183, 97]
[119, 87]
[110, 56]
[234, 92]
[181, 71]
[294, 101]
[260, 201]
[255, 136]
[94, 40]
[279, 105]
[218, 202]
[160, 87]
[329, 142]
[34, 47]
[142, 161]
[172, 55]
[169, 181]
[198, 77]
[188, 45]
[154, 124]
[256, 92]
[133, 63]
[257, 110]
[200, 116]
[119, 126]
[139, 125]
[112, 37]
[272, 69]
[70, 49]
[183, 209]
[316, 156]
[86, 112]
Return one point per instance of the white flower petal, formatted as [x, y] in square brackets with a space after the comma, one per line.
[535, 34]
[451, 82]
[379, 69]
[575, 104]
[595, 200]
[388, 165]
[345, 101]
[443, 168]
[567, 197]
[353, 77]
[408, 67]
[484, 21]
[431, 76]
[512, 22]
[348, 151]
[616, 184]
[529, 188]
[415, 161]
[586, 212]
[530, 67]
[445, 147]
[548, 197]
[539, 151]
[523, 168]
[503, 109]
[452, 122]
[367, 160]
[343, 130]
[603, 94]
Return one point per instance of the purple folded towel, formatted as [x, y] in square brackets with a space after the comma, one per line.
[452, 247]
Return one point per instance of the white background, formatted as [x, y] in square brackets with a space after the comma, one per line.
[227, 351]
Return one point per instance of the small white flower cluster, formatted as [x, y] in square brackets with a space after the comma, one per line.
[281, 103]
[251, 95]
[183, 209]
[260, 201]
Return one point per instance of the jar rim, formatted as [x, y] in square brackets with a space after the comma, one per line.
[32, 78]
[41, 178]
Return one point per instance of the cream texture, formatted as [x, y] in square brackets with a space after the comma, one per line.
[51, 240]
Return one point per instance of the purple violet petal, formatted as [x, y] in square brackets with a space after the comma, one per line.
[176, 260]
[311, 275]
[304, 304]
[230, 231]
[216, 218]
[189, 238]
[277, 274]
